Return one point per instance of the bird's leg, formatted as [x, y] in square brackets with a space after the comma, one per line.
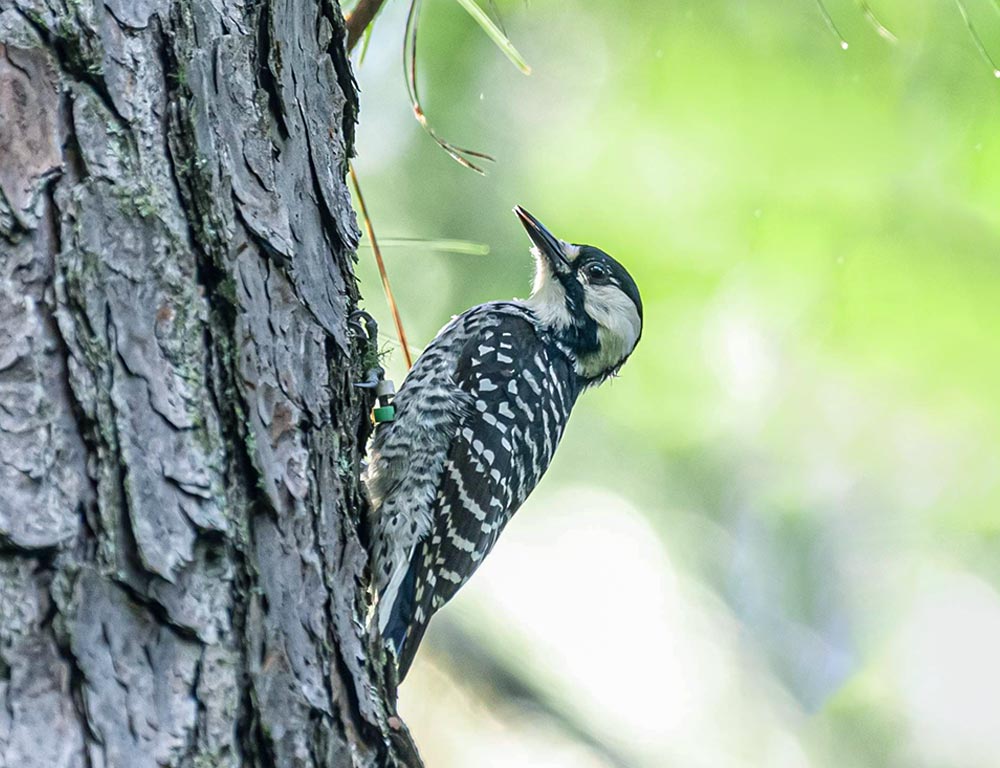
[368, 373]
[384, 389]
[366, 331]
[372, 378]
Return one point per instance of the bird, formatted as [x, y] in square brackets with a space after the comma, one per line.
[477, 422]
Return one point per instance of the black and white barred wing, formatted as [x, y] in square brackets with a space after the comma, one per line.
[520, 404]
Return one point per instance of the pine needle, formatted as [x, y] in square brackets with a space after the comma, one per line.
[365, 42]
[495, 13]
[976, 39]
[831, 24]
[465, 247]
[458, 154]
[883, 31]
[390, 299]
[496, 34]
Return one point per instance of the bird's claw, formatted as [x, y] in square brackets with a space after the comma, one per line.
[368, 330]
[375, 375]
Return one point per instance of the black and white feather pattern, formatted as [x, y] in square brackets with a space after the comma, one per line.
[478, 421]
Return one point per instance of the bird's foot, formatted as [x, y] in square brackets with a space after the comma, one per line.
[365, 329]
[364, 325]
[372, 378]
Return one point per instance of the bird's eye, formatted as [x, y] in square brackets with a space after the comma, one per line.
[597, 274]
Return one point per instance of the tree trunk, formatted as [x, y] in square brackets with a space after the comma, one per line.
[181, 571]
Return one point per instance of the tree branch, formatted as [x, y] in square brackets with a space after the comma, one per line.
[358, 20]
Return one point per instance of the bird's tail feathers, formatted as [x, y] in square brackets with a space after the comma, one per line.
[397, 613]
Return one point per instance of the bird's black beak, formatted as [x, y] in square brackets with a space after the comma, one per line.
[550, 246]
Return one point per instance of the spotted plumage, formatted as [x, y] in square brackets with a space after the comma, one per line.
[478, 420]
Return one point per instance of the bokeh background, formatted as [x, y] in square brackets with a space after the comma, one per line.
[775, 539]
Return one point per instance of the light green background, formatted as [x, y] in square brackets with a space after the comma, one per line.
[774, 540]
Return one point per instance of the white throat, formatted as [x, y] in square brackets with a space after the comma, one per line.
[548, 297]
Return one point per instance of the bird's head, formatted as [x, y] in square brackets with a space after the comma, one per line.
[586, 298]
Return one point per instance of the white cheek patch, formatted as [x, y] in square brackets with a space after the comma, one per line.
[618, 328]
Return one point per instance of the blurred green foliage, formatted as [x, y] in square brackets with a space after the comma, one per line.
[810, 427]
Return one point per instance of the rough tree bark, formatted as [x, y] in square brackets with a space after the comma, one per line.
[181, 565]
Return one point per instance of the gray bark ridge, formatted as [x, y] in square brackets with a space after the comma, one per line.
[182, 581]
